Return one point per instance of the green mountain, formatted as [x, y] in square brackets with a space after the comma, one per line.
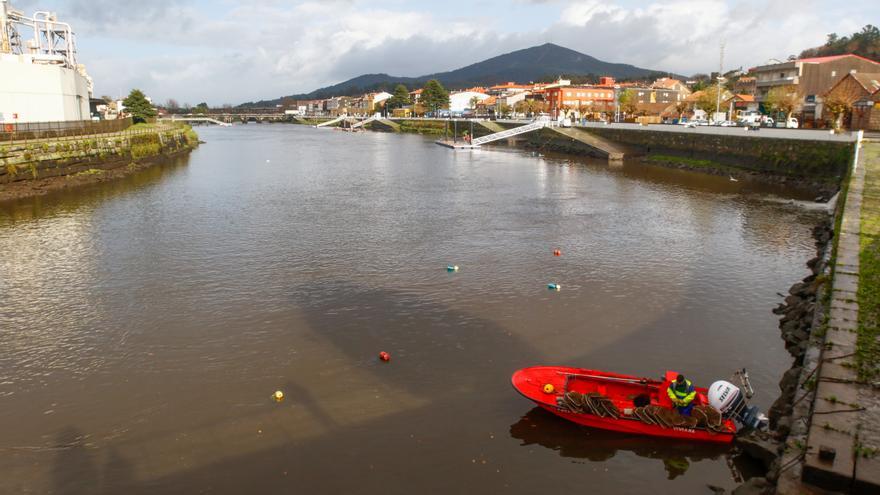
[531, 64]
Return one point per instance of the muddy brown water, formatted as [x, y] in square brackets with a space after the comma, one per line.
[146, 322]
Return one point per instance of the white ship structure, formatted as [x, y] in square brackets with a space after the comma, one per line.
[40, 79]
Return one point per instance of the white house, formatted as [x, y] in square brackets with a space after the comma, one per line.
[380, 97]
[460, 101]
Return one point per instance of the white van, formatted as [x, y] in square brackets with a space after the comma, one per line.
[791, 123]
[749, 117]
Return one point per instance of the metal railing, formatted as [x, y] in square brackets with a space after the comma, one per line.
[26, 131]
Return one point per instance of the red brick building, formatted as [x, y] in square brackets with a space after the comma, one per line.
[583, 98]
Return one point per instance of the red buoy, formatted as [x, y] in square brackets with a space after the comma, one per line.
[384, 356]
[557, 252]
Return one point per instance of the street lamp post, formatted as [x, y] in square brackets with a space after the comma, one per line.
[616, 103]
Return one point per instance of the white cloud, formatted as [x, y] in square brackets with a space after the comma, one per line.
[253, 50]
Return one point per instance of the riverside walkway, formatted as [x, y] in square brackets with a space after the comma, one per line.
[841, 452]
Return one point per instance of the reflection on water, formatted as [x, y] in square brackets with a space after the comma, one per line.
[150, 319]
[68, 200]
[540, 427]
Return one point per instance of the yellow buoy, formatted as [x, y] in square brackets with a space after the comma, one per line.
[278, 396]
[549, 388]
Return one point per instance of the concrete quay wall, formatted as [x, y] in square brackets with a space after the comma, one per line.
[39, 159]
[782, 156]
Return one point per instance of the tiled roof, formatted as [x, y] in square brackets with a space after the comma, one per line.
[511, 85]
[869, 81]
[666, 82]
[829, 58]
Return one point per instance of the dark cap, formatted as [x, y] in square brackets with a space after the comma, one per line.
[679, 378]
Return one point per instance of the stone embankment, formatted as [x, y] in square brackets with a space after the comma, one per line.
[825, 427]
[30, 168]
[816, 165]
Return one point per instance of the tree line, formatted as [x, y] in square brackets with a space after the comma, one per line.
[865, 43]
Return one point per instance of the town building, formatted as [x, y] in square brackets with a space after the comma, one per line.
[369, 102]
[680, 89]
[508, 88]
[488, 106]
[740, 103]
[582, 98]
[460, 101]
[745, 85]
[646, 95]
[813, 77]
[40, 79]
[340, 105]
[861, 92]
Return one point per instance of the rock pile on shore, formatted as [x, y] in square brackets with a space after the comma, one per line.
[798, 313]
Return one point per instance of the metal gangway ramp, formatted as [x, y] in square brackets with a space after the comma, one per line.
[198, 119]
[534, 126]
[364, 122]
[333, 121]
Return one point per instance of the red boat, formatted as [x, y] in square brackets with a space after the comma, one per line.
[547, 385]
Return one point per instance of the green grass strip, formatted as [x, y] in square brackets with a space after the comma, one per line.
[692, 162]
[869, 268]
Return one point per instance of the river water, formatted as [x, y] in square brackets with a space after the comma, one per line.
[146, 322]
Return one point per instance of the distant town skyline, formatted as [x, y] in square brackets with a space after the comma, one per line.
[231, 51]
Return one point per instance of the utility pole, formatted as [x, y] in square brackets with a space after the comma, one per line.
[720, 78]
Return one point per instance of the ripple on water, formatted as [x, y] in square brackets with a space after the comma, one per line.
[160, 317]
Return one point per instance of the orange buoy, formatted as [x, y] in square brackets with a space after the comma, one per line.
[384, 356]
[549, 388]
[557, 252]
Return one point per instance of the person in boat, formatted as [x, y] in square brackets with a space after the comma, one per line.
[682, 394]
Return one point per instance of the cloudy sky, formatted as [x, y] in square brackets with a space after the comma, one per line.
[225, 51]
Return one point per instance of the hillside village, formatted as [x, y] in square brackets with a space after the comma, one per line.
[815, 92]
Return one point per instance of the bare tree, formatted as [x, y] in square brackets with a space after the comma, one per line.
[783, 99]
[707, 101]
[681, 107]
[839, 101]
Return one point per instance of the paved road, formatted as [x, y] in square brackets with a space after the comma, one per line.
[765, 132]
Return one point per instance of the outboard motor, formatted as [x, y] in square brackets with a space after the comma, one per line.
[728, 399]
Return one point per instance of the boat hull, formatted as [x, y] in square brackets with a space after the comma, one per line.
[531, 383]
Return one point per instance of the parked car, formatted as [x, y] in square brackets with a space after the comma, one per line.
[728, 123]
[792, 123]
[768, 121]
